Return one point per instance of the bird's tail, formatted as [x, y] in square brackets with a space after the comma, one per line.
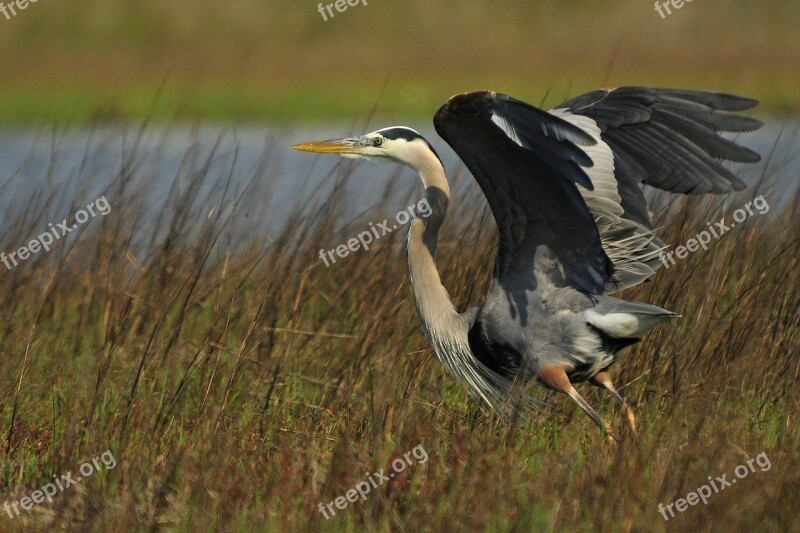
[620, 319]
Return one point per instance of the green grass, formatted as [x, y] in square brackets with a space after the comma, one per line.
[239, 382]
[296, 104]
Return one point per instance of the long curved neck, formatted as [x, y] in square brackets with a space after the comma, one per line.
[436, 311]
[445, 329]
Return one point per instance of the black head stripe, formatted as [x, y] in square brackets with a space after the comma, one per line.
[400, 132]
[407, 134]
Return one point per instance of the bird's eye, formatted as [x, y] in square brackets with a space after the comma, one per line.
[377, 141]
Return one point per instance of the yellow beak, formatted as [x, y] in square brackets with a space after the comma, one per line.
[354, 145]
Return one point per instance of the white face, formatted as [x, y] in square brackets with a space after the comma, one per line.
[373, 146]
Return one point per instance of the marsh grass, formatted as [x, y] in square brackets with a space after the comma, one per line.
[239, 382]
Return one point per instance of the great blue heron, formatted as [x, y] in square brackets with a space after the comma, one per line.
[565, 189]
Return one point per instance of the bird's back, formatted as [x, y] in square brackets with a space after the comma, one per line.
[521, 331]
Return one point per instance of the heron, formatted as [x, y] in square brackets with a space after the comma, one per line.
[566, 189]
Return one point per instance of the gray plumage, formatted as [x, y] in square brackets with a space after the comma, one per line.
[565, 189]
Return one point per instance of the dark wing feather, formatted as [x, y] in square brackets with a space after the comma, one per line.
[668, 138]
[528, 162]
[661, 137]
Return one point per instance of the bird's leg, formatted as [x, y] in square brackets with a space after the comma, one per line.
[556, 379]
[603, 380]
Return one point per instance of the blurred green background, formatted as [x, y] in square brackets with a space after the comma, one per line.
[280, 62]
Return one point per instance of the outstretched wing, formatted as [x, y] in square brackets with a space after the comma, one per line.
[666, 138]
[528, 162]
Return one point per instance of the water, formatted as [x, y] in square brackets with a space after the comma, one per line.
[85, 163]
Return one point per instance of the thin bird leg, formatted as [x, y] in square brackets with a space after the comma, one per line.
[603, 380]
[556, 379]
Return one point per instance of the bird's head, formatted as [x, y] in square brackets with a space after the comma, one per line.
[397, 144]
